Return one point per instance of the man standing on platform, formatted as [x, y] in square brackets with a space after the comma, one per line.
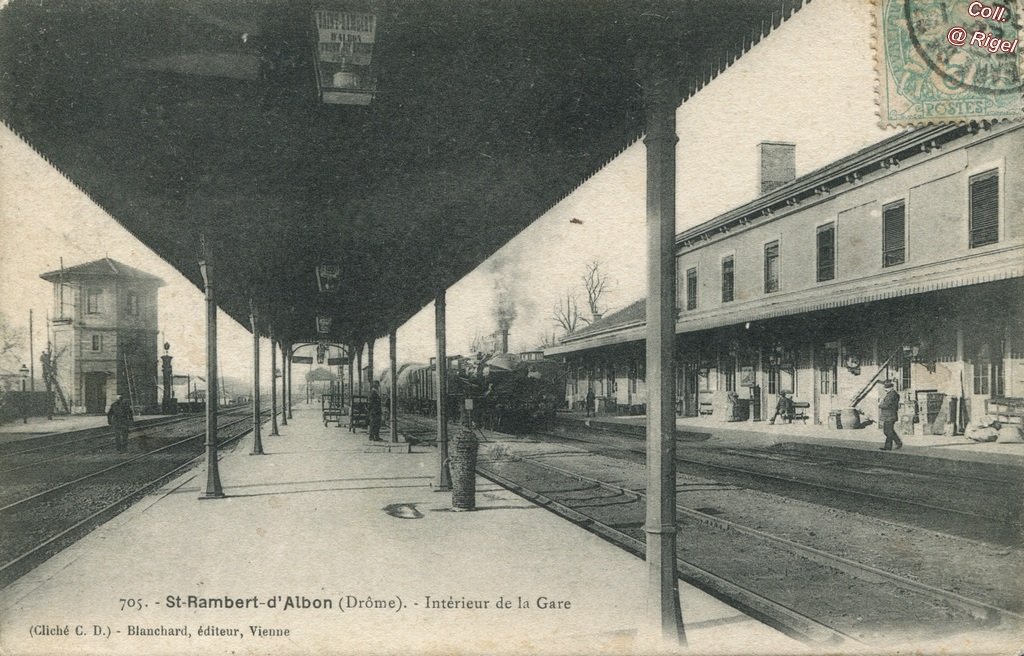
[120, 417]
[887, 414]
[373, 412]
[590, 401]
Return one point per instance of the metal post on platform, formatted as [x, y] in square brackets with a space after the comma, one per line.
[284, 384]
[351, 381]
[393, 351]
[288, 398]
[660, 100]
[359, 369]
[444, 475]
[273, 384]
[257, 426]
[369, 359]
[213, 487]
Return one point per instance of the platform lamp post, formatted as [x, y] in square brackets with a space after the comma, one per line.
[661, 98]
[213, 487]
[257, 437]
[23, 401]
[273, 385]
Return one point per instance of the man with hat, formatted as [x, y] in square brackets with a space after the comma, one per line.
[887, 407]
[120, 417]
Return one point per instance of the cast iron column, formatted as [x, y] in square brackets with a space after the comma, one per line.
[288, 401]
[273, 384]
[213, 486]
[444, 476]
[351, 380]
[257, 438]
[369, 358]
[284, 384]
[393, 349]
[663, 610]
[359, 368]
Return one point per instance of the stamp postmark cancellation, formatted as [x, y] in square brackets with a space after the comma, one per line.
[942, 61]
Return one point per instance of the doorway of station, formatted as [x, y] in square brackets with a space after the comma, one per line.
[96, 392]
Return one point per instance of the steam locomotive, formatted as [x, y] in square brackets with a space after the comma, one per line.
[510, 391]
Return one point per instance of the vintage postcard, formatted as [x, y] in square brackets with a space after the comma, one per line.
[511, 327]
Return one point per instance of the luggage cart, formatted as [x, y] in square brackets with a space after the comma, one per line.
[333, 408]
[359, 417]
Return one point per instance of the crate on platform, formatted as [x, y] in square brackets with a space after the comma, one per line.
[1007, 410]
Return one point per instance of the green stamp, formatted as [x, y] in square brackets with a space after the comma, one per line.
[943, 61]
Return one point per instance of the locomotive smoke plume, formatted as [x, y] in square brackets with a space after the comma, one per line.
[504, 308]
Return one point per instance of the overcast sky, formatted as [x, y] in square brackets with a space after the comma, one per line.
[811, 82]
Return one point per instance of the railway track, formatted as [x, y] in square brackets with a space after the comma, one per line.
[770, 556]
[81, 441]
[52, 440]
[44, 516]
[916, 498]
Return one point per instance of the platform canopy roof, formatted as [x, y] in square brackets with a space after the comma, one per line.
[200, 121]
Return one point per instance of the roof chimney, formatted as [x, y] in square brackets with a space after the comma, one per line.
[778, 164]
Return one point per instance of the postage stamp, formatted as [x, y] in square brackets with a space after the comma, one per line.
[942, 61]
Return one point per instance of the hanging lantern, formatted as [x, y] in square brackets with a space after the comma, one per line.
[328, 278]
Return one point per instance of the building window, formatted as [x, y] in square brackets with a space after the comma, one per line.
[894, 231]
[691, 288]
[984, 207]
[771, 267]
[826, 252]
[97, 342]
[730, 376]
[828, 380]
[988, 378]
[132, 304]
[92, 301]
[728, 280]
[773, 380]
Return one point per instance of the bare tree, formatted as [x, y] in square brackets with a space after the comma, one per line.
[545, 339]
[11, 338]
[567, 313]
[596, 283]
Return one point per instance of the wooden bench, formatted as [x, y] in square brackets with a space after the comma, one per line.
[800, 409]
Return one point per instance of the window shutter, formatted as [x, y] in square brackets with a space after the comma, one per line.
[826, 252]
[985, 209]
[893, 234]
[728, 280]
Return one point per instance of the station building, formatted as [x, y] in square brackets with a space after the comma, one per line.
[104, 334]
[902, 261]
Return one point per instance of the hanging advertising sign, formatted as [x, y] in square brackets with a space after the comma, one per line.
[323, 325]
[344, 54]
[331, 362]
[328, 278]
[302, 359]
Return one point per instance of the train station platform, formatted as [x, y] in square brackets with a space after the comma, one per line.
[815, 436]
[329, 545]
[19, 429]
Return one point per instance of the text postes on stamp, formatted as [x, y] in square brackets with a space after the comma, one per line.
[943, 61]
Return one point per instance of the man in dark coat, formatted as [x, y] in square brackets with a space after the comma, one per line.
[887, 415]
[590, 401]
[373, 412]
[120, 417]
